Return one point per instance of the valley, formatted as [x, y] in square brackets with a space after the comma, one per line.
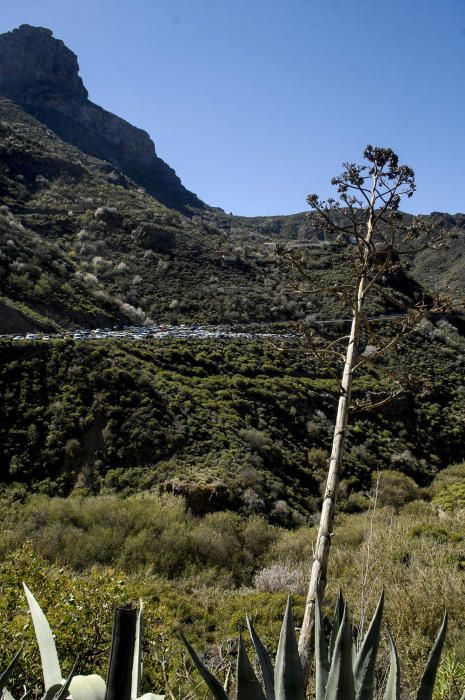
[169, 384]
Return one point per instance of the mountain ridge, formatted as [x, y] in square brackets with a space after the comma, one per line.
[40, 73]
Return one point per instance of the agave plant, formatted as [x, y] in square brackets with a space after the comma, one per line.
[341, 673]
[91, 687]
[5, 675]
[283, 682]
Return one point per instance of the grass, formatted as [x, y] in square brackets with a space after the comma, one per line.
[197, 574]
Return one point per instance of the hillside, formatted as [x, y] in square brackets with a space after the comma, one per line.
[229, 424]
[82, 244]
[85, 240]
[95, 233]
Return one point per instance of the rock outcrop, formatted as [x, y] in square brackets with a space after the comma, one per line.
[41, 74]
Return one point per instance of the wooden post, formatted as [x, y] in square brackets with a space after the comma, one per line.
[119, 679]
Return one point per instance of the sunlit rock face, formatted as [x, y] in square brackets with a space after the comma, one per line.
[41, 74]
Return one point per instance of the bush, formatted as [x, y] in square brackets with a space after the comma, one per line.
[395, 489]
[279, 577]
[155, 534]
[448, 488]
[451, 498]
[72, 448]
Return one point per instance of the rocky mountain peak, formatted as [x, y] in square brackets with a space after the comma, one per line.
[33, 62]
[41, 74]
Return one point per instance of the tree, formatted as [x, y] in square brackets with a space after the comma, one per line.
[376, 237]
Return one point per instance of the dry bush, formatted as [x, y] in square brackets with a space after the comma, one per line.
[280, 577]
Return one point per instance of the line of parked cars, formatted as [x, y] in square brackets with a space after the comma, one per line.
[141, 333]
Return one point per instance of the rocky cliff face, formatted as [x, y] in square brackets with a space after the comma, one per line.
[41, 74]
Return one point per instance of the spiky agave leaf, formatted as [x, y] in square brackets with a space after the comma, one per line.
[213, 683]
[425, 691]
[364, 667]
[321, 654]
[392, 691]
[289, 683]
[60, 692]
[247, 684]
[264, 661]
[337, 619]
[5, 676]
[90, 687]
[340, 684]
[48, 653]
[137, 661]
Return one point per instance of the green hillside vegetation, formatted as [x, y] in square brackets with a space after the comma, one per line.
[83, 555]
[229, 424]
[83, 245]
[446, 271]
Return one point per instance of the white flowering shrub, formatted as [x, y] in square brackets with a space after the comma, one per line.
[280, 577]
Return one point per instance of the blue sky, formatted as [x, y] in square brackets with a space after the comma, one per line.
[256, 103]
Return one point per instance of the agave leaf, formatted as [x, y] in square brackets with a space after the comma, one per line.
[52, 692]
[48, 653]
[425, 691]
[341, 678]
[289, 683]
[392, 691]
[60, 692]
[321, 654]
[63, 693]
[5, 676]
[247, 683]
[137, 662]
[337, 619]
[364, 668]
[88, 688]
[213, 683]
[264, 661]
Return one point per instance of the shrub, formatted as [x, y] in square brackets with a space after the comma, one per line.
[451, 498]
[448, 488]
[395, 489]
[72, 448]
[280, 577]
[256, 439]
